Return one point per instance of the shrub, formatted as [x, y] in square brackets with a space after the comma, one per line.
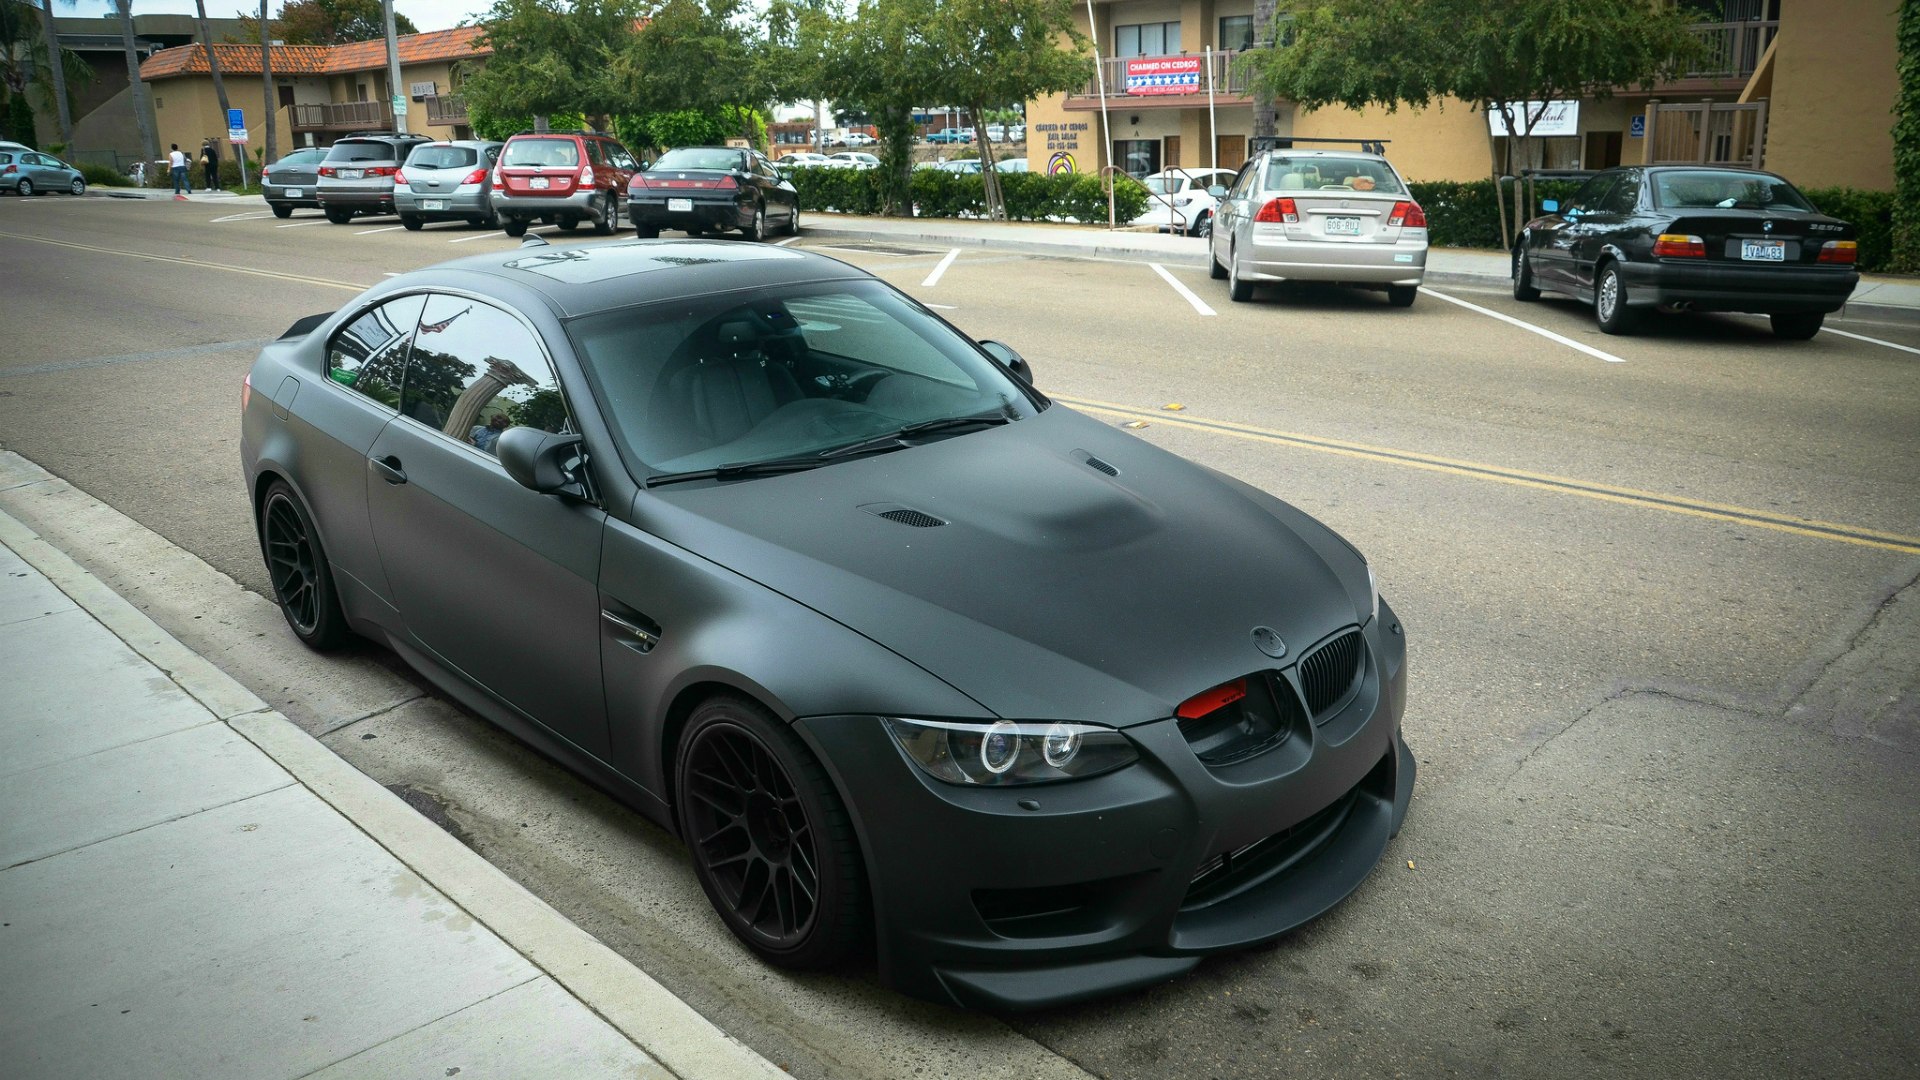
[98, 175]
[1871, 212]
[938, 193]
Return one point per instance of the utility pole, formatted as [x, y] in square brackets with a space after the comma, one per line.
[397, 92]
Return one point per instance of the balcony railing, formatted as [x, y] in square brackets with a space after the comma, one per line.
[343, 116]
[446, 109]
[1732, 50]
[1227, 82]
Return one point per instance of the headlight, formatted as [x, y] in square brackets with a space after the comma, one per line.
[1373, 594]
[1010, 752]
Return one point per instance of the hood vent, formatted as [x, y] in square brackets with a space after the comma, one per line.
[1094, 462]
[905, 515]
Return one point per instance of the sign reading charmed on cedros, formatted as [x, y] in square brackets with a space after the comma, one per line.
[1164, 75]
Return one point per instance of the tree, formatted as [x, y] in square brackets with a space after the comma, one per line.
[57, 72]
[137, 89]
[879, 60]
[30, 57]
[219, 84]
[1496, 55]
[551, 56]
[1906, 141]
[995, 52]
[703, 55]
[331, 22]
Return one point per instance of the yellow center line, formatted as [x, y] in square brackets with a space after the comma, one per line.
[200, 264]
[1678, 504]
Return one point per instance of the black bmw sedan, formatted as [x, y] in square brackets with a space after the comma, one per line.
[905, 652]
[712, 189]
[1689, 238]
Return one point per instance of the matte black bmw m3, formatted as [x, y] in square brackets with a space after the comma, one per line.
[905, 652]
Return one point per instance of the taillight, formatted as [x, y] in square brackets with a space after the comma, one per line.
[477, 176]
[383, 170]
[326, 170]
[1407, 215]
[1212, 700]
[246, 391]
[499, 182]
[1281, 210]
[1839, 251]
[727, 182]
[638, 183]
[400, 178]
[586, 176]
[1679, 246]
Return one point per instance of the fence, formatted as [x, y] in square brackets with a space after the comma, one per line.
[1707, 132]
[1732, 49]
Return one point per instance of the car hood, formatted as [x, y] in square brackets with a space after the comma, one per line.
[1051, 589]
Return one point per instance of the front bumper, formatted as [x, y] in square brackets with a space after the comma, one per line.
[1036, 896]
[1269, 257]
[725, 213]
[1734, 287]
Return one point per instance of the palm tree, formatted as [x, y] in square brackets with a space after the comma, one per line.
[136, 89]
[57, 70]
[219, 84]
[271, 150]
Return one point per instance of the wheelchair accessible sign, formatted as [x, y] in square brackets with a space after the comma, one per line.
[236, 126]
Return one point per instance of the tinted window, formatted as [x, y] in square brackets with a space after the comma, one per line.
[350, 150]
[6, 158]
[700, 157]
[442, 157]
[1592, 193]
[476, 371]
[370, 352]
[537, 152]
[1625, 196]
[1329, 173]
[1724, 189]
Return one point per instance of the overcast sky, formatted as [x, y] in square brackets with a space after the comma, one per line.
[426, 14]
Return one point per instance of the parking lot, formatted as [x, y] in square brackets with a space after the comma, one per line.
[1658, 592]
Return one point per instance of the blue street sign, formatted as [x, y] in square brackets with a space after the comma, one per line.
[235, 119]
[1637, 128]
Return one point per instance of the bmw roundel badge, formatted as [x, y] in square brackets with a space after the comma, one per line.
[1268, 641]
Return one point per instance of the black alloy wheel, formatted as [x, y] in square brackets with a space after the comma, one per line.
[1523, 286]
[771, 841]
[297, 567]
[1204, 227]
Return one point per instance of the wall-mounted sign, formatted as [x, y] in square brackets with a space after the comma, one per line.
[1060, 164]
[1064, 136]
[1637, 127]
[1164, 75]
[1549, 118]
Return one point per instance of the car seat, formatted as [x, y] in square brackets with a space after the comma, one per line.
[716, 391]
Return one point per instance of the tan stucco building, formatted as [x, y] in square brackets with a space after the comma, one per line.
[1804, 88]
[321, 92]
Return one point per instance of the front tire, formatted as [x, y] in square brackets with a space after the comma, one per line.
[647, 232]
[514, 227]
[1402, 295]
[568, 224]
[793, 221]
[413, 222]
[339, 217]
[297, 567]
[1204, 227]
[1237, 290]
[282, 210]
[1610, 302]
[771, 841]
[78, 187]
[1523, 286]
[1797, 325]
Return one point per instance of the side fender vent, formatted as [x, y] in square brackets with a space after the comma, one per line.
[905, 515]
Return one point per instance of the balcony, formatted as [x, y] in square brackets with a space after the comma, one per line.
[446, 109]
[1178, 81]
[1731, 53]
[343, 116]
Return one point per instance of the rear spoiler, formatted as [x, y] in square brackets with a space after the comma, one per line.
[306, 326]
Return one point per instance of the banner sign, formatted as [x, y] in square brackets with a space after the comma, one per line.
[1549, 118]
[1164, 75]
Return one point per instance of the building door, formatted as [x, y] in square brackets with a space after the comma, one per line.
[1170, 151]
[1138, 158]
[1232, 150]
[286, 95]
[1603, 150]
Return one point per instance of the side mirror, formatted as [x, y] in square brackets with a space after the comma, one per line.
[1009, 359]
[1218, 191]
[537, 460]
[1549, 206]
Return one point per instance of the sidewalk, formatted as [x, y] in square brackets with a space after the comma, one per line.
[192, 886]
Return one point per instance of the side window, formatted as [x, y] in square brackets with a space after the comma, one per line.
[477, 371]
[1625, 196]
[593, 152]
[1243, 182]
[369, 354]
[1592, 193]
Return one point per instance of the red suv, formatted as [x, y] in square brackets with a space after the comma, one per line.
[562, 178]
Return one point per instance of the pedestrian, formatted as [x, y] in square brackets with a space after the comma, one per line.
[182, 180]
[211, 156]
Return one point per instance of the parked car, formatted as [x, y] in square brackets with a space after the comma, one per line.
[713, 188]
[561, 177]
[1181, 200]
[447, 181]
[787, 563]
[356, 176]
[951, 135]
[859, 138]
[855, 159]
[289, 183]
[1691, 238]
[30, 172]
[1319, 215]
[804, 159]
[1012, 165]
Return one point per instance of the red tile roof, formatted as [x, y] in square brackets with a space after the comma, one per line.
[459, 43]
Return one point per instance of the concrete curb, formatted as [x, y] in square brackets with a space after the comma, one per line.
[669, 1030]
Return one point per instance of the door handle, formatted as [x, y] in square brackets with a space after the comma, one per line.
[389, 467]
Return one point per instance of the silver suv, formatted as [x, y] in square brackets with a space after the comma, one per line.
[446, 181]
[357, 175]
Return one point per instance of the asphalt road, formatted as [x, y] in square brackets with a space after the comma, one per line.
[1659, 599]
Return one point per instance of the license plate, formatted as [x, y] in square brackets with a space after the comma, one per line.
[352, 174]
[433, 204]
[537, 183]
[294, 192]
[1342, 226]
[1763, 250]
[682, 206]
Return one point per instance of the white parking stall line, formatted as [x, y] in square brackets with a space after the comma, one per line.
[784, 243]
[1199, 305]
[1873, 340]
[298, 224]
[249, 216]
[370, 232]
[934, 278]
[1527, 326]
[480, 236]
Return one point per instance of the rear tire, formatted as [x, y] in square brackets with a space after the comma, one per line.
[1523, 286]
[340, 217]
[479, 222]
[609, 220]
[1237, 290]
[24, 187]
[568, 224]
[1214, 269]
[413, 222]
[514, 227]
[282, 210]
[1797, 325]
[793, 221]
[647, 232]
[757, 232]
[1610, 302]
[1402, 295]
[297, 568]
[1204, 227]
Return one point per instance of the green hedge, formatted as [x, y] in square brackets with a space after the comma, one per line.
[98, 175]
[937, 193]
[1871, 212]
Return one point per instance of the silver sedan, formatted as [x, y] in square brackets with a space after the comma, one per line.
[1320, 215]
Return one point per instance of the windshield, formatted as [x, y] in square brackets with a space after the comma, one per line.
[1323, 172]
[537, 152]
[360, 151]
[1164, 185]
[443, 157]
[700, 157]
[1692, 189]
[775, 373]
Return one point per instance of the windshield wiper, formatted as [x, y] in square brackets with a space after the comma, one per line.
[770, 467]
[895, 440]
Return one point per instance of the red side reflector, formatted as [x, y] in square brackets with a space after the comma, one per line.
[1679, 246]
[1407, 215]
[1282, 210]
[1212, 700]
[1840, 251]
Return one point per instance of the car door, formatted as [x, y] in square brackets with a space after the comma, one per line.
[1555, 240]
[48, 174]
[494, 580]
[1606, 226]
[1234, 211]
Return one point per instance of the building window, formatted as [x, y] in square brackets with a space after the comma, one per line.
[1147, 39]
[1139, 157]
[1236, 32]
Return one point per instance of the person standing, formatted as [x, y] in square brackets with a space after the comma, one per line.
[182, 181]
[211, 156]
